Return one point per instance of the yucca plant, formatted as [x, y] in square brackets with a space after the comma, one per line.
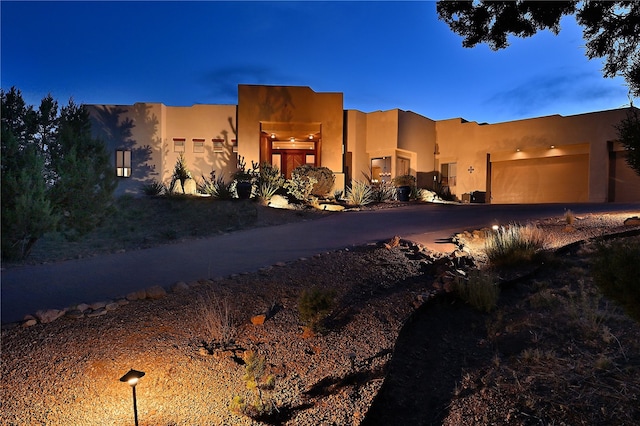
[217, 187]
[513, 244]
[359, 194]
[153, 188]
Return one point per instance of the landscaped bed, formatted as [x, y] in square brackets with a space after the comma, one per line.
[552, 351]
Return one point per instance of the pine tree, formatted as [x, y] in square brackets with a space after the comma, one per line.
[26, 211]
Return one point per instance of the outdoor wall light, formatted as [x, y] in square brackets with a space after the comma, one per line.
[132, 378]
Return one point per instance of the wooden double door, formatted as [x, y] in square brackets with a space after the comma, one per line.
[290, 159]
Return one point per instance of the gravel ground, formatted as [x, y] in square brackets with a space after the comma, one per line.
[67, 372]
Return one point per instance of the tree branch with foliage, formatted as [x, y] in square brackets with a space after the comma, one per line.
[611, 29]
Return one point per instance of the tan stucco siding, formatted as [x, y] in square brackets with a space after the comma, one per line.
[137, 128]
[417, 134]
[356, 136]
[200, 122]
[258, 104]
[469, 142]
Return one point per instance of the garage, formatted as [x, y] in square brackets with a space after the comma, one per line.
[541, 180]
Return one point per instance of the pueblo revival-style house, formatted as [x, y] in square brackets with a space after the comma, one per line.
[539, 160]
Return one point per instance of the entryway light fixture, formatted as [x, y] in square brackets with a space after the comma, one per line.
[132, 377]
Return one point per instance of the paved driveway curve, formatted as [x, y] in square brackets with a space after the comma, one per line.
[30, 288]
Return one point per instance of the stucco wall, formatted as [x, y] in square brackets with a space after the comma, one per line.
[290, 104]
[137, 128]
[357, 158]
[417, 134]
[206, 122]
[468, 143]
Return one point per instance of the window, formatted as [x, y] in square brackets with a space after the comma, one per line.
[310, 159]
[448, 172]
[178, 145]
[123, 163]
[198, 145]
[218, 145]
[402, 166]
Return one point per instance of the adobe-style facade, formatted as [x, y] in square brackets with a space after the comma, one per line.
[539, 160]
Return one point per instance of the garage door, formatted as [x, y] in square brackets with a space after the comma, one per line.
[541, 180]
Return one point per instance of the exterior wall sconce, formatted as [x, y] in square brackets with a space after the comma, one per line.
[132, 377]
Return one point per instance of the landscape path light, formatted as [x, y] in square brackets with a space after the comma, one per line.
[132, 378]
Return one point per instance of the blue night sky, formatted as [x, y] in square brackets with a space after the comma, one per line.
[381, 55]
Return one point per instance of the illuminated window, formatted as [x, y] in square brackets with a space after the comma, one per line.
[198, 145]
[218, 145]
[178, 145]
[448, 172]
[123, 163]
[235, 145]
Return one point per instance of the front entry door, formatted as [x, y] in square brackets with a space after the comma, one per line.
[290, 159]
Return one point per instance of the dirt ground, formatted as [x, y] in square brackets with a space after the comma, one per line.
[397, 349]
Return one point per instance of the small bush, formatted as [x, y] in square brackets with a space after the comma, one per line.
[270, 180]
[180, 173]
[315, 305]
[569, 217]
[615, 270]
[217, 187]
[218, 320]
[359, 194]
[514, 244]
[383, 192]
[300, 187]
[153, 188]
[479, 289]
[324, 178]
[256, 380]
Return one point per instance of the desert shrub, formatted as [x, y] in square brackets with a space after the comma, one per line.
[479, 289]
[269, 181]
[180, 173]
[615, 269]
[404, 180]
[324, 178]
[383, 192]
[256, 380]
[359, 193]
[300, 187]
[216, 186]
[314, 306]
[217, 317]
[569, 217]
[514, 244]
[153, 188]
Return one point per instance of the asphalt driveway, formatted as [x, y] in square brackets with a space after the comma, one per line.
[27, 289]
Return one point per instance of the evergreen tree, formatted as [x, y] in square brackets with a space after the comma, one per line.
[629, 134]
[26, 211]
[83, 177]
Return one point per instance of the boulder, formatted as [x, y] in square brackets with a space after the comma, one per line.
[258, 319]
[179, 287]
[156, 292]
[49, 315]
[632, 221]
[279, 202]
[136, 295]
